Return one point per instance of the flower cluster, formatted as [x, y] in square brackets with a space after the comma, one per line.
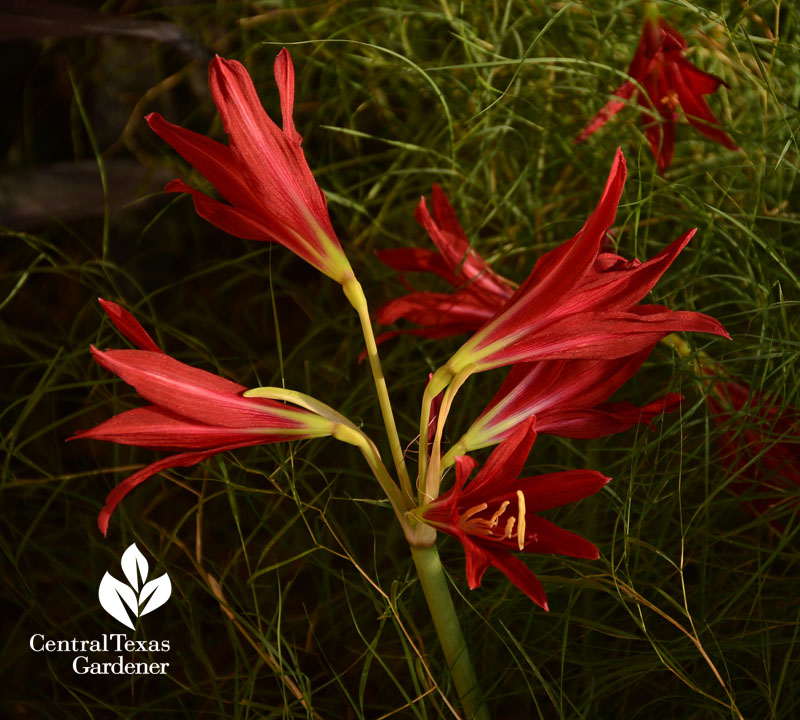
[572, 333]
[192, 410]
[759, 444]
[661, 78]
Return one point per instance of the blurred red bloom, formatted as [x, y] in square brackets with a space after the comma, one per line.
[579, 303]
[262, 173]
[494, 516]
[568, 398]
[192, 409]
[759, 442]
[479, 291]
[668, 80]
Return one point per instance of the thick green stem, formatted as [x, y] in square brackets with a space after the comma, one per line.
[445, 620]
[354, 293]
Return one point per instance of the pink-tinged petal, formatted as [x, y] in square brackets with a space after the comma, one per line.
[284, 77]
[611, 108]
[601, 335]
[191, 392]
[274, 160]
[697, 111]
[557, 271]
[618, 289]
[568, 399]
[157, 428]
[213, 160]
[120, 491]
[606, 419]
[449, 237]
[128, 325]
[550, 284]
[227, 218]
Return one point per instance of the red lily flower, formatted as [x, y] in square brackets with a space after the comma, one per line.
[568, 398]
[480, 293]
[668, 80]
[578, 303]
[192, 409]
[262, 173]
[759, 442]
[495, 516]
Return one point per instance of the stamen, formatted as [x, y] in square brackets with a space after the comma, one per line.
[493, 520]
[473, 511]
[509, 531]
[521, 520]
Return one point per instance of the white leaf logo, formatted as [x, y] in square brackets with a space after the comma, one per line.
[122, 601]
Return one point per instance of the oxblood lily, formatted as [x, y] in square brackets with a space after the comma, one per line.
[568, 398]
[192, 409]
[262, 173]
[759, 441]
[578, 303]
[668, 80]
[494, 516]
[480, 293]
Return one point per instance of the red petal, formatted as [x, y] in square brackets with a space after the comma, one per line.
[697, 111]
[158, 428]
[436, 309]
[556, 272]
[128, 325]
[503, 466]
[543, 492]
[121, 490]
[545, 538]
[521, 576]
[479, 556]
[619, 289]
[611, 108]
[191, 392]
[603, 420]
[284, 77]
[601, 335]
[417, 260]
[697, 80]
[274, 160]
[234, 221]
[213, 160]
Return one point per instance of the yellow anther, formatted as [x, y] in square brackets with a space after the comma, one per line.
[509, 531]
[493, 520]
[473, 511]
[521, 520]
[670, 100]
